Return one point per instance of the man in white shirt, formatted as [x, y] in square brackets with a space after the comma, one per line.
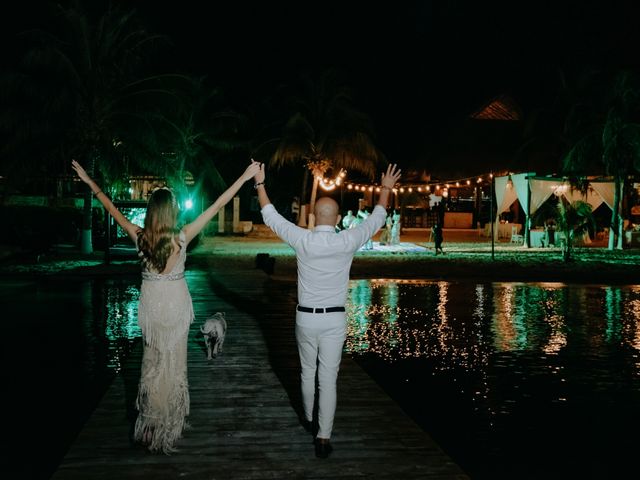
[324, 259]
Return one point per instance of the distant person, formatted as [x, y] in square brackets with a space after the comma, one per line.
[165, 310]
[347, 221]
[395, 228]
[324, 259]
[361, 216]
[436, 232]
[385, 236]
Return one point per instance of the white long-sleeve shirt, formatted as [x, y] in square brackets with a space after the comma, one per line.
[323, 255]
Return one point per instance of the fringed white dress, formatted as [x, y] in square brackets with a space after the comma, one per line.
[165, 312]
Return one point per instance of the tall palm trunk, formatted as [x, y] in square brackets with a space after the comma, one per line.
[303, 213]
[314, 193]
[615, 233]
[567, 244]
[86, 243]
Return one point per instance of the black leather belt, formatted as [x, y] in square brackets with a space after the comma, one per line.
[320, 310]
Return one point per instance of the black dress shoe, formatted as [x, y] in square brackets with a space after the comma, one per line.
[323, 448]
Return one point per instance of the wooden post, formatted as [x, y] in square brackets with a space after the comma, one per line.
[302, 217]
[221, 220]
[236, 214]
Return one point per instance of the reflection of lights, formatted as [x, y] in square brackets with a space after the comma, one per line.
[135, 215]
[360, 298]
[188, 204]
[504, 325]
[121, 320]
[395, 322]
[398, 319]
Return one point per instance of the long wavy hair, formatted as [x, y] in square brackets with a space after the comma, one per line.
[155, 242]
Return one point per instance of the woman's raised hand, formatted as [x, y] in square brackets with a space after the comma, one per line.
[80, 171]
[252, 169]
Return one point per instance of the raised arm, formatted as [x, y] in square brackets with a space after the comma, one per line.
[389, 179]
[192, 229]
[131, 228]
[263, 198]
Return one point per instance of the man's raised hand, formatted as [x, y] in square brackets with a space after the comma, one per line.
[392, 175]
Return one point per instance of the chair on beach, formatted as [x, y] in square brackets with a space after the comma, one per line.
[515, 236]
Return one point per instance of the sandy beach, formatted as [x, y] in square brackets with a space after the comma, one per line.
[468, 255]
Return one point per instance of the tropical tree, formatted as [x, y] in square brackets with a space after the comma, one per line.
[95, 65]
[574, 220]
[614, 139]
[199, 129]
[326, 133]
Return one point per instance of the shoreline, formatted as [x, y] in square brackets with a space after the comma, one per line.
[465, 258]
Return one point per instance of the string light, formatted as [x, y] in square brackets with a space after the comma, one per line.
[331, 184]
[411, 187]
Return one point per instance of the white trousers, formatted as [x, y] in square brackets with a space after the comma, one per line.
[321, 349]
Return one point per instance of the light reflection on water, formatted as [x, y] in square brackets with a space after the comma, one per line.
[413, 318]
[121, 318]
[504, 364]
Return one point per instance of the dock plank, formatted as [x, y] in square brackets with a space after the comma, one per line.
[243, 419]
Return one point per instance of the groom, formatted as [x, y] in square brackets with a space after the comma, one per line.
[324, 259]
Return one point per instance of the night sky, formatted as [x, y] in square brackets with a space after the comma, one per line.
[417, 67]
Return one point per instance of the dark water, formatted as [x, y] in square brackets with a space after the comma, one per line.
[513, 380]
[63, 342]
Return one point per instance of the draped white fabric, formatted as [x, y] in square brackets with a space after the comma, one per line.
[592, 197]
[541, 190]
[521, 186]
[514, 187]
[605, 190]
[505, 194]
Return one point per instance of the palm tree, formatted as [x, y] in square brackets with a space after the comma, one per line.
[325, 133]
[574, 220]
[196, 128]
[95, 68]
[614, 139]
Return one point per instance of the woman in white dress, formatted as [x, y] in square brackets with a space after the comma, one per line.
[165, 310]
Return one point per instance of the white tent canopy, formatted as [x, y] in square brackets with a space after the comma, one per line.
[532, 192]
[542, 188]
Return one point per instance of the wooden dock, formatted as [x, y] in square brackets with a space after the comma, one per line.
[243, 406]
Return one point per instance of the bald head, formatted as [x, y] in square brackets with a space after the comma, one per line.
[326, 211]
